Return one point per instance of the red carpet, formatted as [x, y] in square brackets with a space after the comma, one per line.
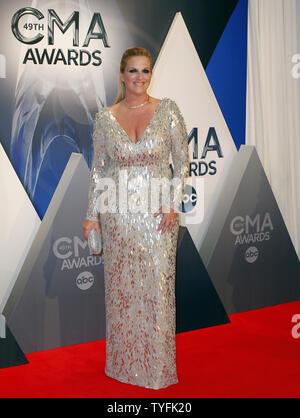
[253, 356]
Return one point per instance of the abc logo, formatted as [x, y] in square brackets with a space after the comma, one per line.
[85, 280]
[251, 254]
[189, 199]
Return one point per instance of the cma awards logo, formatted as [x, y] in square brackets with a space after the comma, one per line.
[212, 144]
[193, 202]
[69, 252]
[250, 230]
[26, 33]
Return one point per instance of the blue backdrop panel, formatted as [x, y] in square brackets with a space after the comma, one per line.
[227, 72]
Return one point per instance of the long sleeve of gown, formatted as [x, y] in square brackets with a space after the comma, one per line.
[99, 168]
[180, 156]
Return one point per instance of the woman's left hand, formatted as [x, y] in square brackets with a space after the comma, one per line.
[168, 220]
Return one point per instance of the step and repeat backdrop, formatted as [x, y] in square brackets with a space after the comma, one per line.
[59, 64]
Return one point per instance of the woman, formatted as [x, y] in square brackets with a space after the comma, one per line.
[134, 138]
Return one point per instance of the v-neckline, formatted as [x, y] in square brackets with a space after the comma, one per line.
[147, 126]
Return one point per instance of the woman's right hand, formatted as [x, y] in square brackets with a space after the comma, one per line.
[88, 225]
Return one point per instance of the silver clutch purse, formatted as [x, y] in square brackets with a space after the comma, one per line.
[95, 242]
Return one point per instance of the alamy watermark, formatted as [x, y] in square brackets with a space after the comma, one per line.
[133, 194]
[295, 71]
[2, 326]
[2, 66]
[296, 328]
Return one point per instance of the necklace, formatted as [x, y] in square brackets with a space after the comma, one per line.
[135, 107]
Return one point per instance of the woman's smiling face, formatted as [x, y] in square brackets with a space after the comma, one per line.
[137, 74]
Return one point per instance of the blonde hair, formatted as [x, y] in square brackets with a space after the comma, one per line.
[130, 52]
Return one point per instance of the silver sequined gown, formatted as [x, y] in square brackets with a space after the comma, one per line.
[139, 261]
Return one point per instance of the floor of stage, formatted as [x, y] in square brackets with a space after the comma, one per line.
[256, 355]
